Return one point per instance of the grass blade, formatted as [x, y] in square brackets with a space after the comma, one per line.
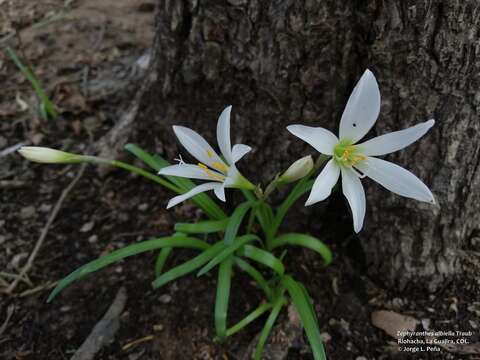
[255, 275]
[301, 188]
[227, 251]
[222, 297]
[161, 259]
[255, 314]
[235, 222]
[307, 315]
[117, 255]
[189, 266]
[203, 227]
[267, 328]
[263, 257]
[48, 106]
[304, 240]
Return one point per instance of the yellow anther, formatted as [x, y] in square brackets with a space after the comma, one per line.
[210, 173]
[209, 153]
[220, 166]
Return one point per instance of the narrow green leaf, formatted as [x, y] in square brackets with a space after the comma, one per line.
[235, 221]
[256, 275]
[267, 328]
[227, 251]
[161, 259]
[310, 242]
[263, 257]
[46, 105]
[189, 266]
[308, 317]
[255, 314]
[202, 200]
[300, 188]
[202, 227]
[222, 297]
[117, 255]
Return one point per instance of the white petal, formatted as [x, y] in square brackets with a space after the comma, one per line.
[232, 177]
[321, 139]
[362, 109]
[223, 134]
[239, 151]
[190, 171]
[196, 145]
[396, 179]
[322, 187]
[388, 143]
[353, 191]
[220, 192]
[196, 190]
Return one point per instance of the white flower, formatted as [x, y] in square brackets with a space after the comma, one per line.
[348, 157]
[49, 156]
[222, 174]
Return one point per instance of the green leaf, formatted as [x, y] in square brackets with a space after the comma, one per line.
[304, 240]
[202, 200]
[301, 188]
[235, 221]
[267, 328]
[263, 257]
[256, 275]
[47, 108]
[189, 266]
[227, 251]
[222, 297]
[304, 307]
[161, 259]
[255, 314]
[117, 255]
[203, 227]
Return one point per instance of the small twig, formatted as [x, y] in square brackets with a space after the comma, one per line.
[104, 332]
[12, 184]
[18, 277]
[44, 232]
[10, 311]
[136, 342]
[39, 288]
[10, 149]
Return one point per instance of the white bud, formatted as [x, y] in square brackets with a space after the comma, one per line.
[49, 156]
[297, 170]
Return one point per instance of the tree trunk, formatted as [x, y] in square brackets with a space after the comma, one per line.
[283, 62]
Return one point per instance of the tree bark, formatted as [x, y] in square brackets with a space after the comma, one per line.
[283, 62]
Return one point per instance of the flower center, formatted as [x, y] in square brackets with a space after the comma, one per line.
[210, 173]
[347, 154]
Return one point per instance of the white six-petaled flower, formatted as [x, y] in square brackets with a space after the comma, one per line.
[222, 173]
[350, 158]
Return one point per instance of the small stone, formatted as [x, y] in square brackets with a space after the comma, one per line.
[360, 358]
[426, 324]
[326, 337]
[87, 226]
[165, 299]
[65, 308]
[93, 239]
[45, 208]
[157, 327]
[27, 212]
[143, 207]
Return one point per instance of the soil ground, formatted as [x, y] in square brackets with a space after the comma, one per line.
[89, 55]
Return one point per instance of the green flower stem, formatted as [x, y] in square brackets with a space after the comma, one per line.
[248, 319]
[135, 170]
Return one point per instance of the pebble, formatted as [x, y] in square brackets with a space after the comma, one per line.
[165, 299]
[87, 226]
[143, 207]
[27, 212]
[93, 239]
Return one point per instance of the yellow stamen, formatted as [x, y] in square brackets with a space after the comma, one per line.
[210, 153]
[210, 173]
[220, 166]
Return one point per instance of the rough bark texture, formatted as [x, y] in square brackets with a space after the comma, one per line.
[283, 62]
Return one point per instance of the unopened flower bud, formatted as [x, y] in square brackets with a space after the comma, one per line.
[49, 156]
[297, 170]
